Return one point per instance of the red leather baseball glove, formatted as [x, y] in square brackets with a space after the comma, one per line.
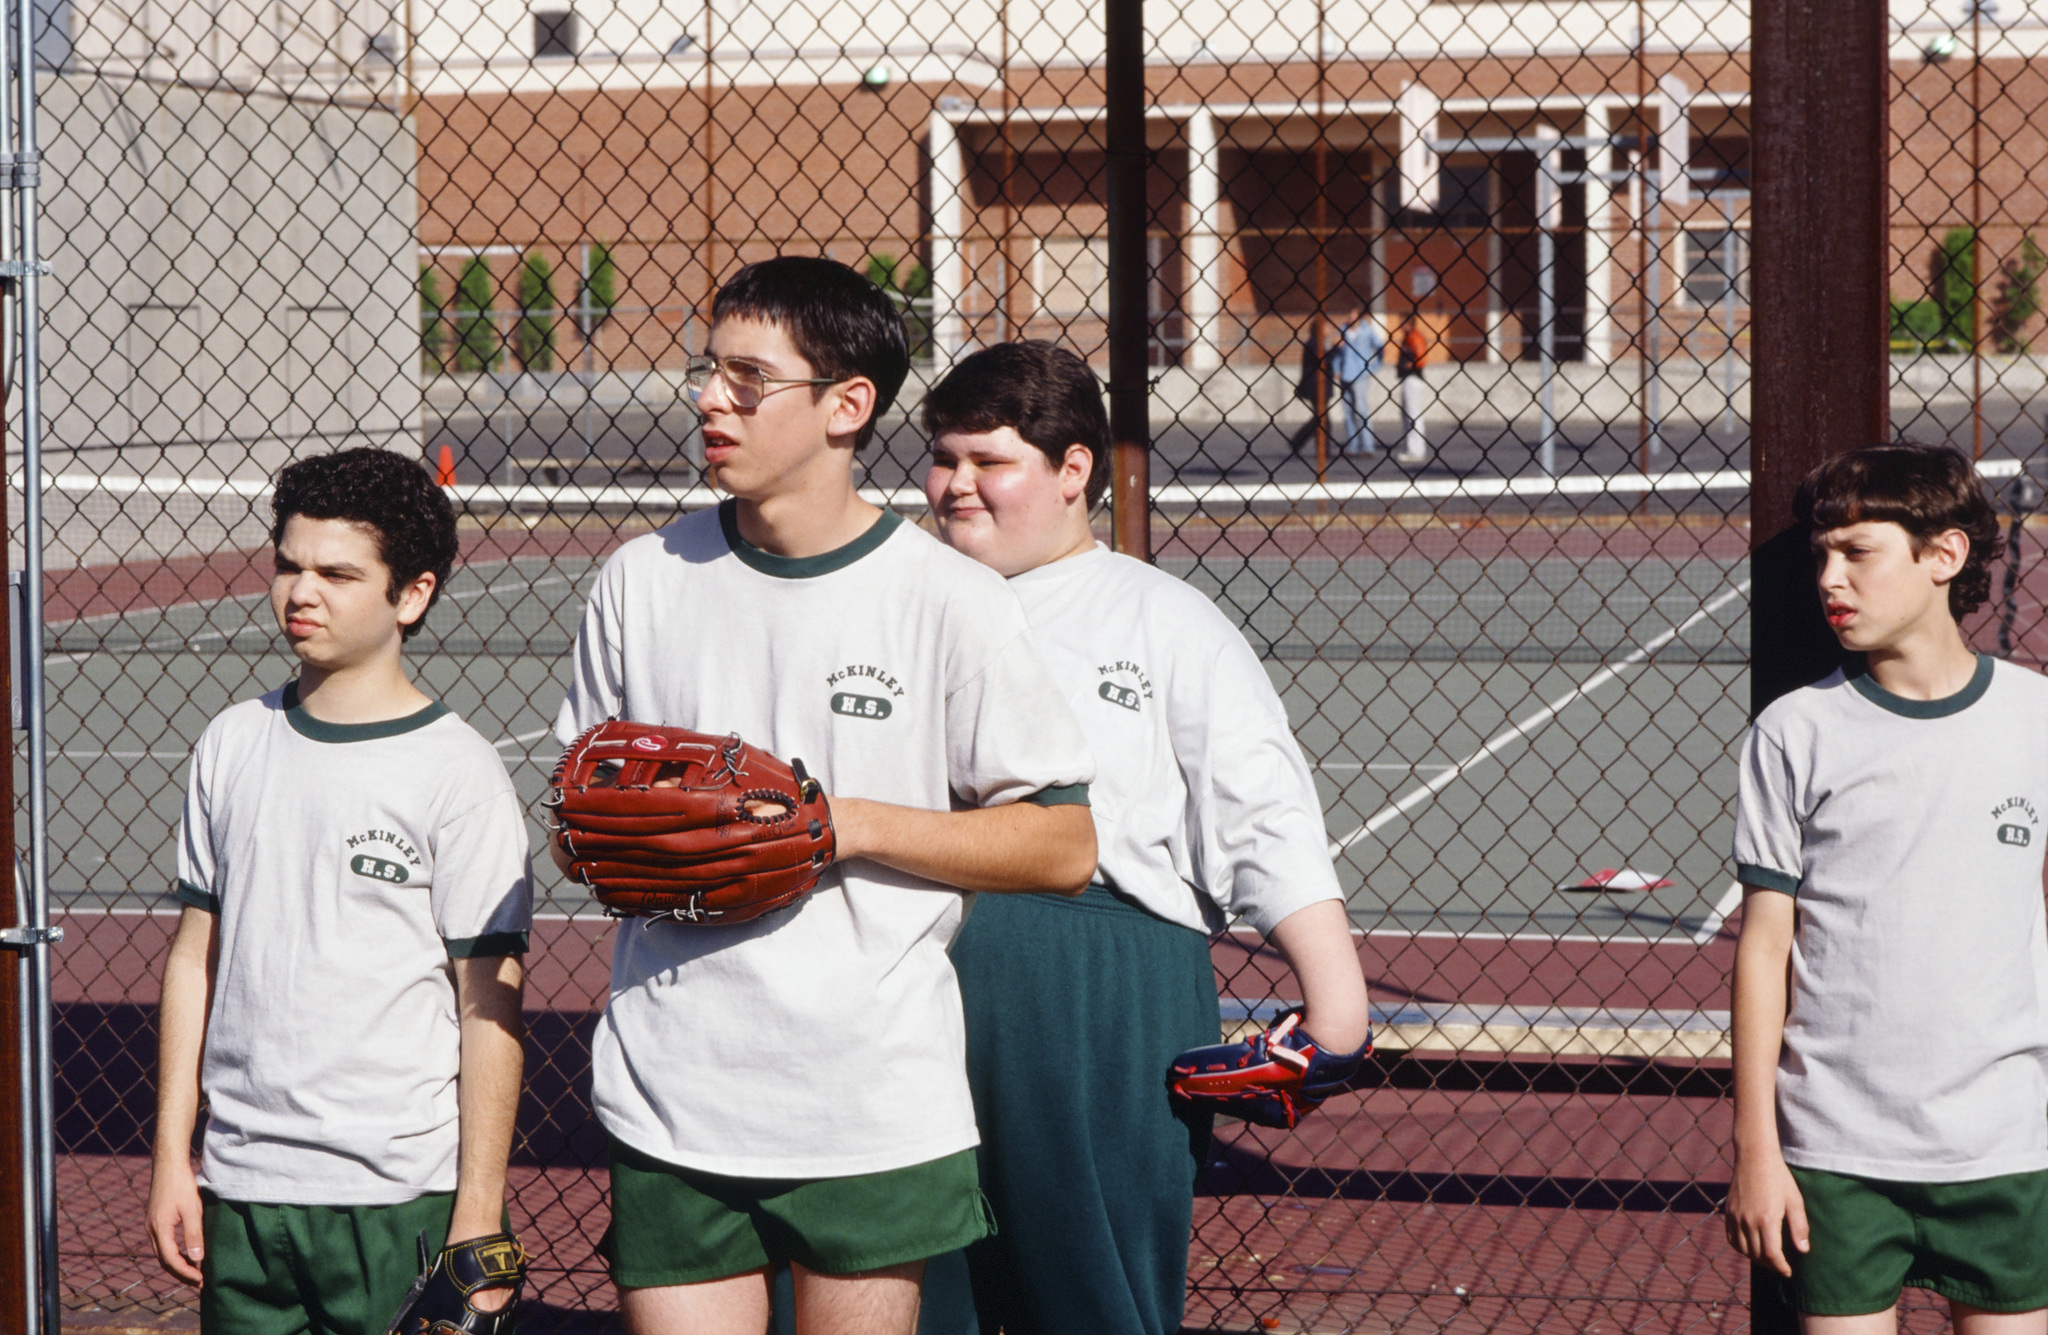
[669, 823]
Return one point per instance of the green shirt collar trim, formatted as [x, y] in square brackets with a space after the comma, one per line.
[802, 567]
[1980, 682]
[320, 730]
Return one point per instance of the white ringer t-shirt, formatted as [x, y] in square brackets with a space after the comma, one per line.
[1203, 804]
[348, 864]
[1911, 834]
[826, 1040]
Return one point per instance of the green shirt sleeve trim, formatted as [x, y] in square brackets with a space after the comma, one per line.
[196, 896]
[1763, 878]
[1064, 795]
[488, 946]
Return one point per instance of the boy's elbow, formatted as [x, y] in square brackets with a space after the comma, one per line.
[1072, 850]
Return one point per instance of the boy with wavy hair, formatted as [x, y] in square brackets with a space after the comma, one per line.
[1891, 981]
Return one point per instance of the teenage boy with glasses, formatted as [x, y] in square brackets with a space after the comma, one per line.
[792, 1090]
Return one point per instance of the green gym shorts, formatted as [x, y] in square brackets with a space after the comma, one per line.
[327, 1269]
[1979, 1243]
[673, 1225]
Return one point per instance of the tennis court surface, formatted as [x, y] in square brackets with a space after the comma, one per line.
[1496, 705]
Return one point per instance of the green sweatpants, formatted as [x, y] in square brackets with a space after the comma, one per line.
[1074, 1009]
[313, 1269]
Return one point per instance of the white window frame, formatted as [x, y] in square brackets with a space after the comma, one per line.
[1692, 256]
[1054, 260]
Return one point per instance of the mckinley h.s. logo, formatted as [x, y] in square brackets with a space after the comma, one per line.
[2016, 819]
[872, 699]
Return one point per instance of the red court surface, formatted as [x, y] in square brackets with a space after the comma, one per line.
[1306, 1264]
[1552, 1210]
[113, 958]
[145, 586]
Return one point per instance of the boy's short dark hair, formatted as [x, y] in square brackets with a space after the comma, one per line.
[388, 493]
[839, 322]
[1040, 390]
[1924, 489]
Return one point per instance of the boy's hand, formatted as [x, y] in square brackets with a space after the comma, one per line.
[1763, 1205]
[174, 1227]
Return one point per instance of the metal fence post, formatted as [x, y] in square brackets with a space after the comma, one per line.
[1130, 427]
[17, 1204]
[27, 265]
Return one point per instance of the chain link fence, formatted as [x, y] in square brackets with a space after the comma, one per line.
[1449, 360]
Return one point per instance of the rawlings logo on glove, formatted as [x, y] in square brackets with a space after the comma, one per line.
[669, 823]
[1271, 1079]
[439, 1301]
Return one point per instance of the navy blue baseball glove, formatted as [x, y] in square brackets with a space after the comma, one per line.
[1271, 1079]
[439, 1303]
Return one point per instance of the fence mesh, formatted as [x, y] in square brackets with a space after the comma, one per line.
[1448, 337]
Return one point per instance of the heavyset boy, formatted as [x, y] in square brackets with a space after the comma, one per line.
[977, 1041]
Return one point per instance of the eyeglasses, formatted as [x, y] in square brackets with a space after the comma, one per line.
[745, 382]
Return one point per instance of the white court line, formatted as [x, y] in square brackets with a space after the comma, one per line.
[596, 917]
[912, 498]
[1731, 900]
[228, 598]
[173, 910]
[162, 642]
[78, 753]
[494, 586]
[1577, 938]
[1581, 938]
[1520, 731]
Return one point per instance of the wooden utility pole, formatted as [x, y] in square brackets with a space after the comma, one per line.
[1130, 425]
[1821, 377]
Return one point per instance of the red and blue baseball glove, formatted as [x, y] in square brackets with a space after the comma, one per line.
[1271, 1079]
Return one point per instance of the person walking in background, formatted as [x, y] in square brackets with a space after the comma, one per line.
[1312, 387]
[1359, 348]
[1414, 392]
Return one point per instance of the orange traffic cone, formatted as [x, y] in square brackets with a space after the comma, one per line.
[444, 475]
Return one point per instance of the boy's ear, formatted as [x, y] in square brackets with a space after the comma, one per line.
[1947, 552]
[854, 405]
[414, 597]
[1074, 471]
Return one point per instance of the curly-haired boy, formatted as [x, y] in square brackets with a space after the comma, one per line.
[345, 982]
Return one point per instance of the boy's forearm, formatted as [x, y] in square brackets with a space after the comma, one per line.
[489, 991]
[1757, 1024]
[181, 1040]
[1017, 847]
[1316, 942]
